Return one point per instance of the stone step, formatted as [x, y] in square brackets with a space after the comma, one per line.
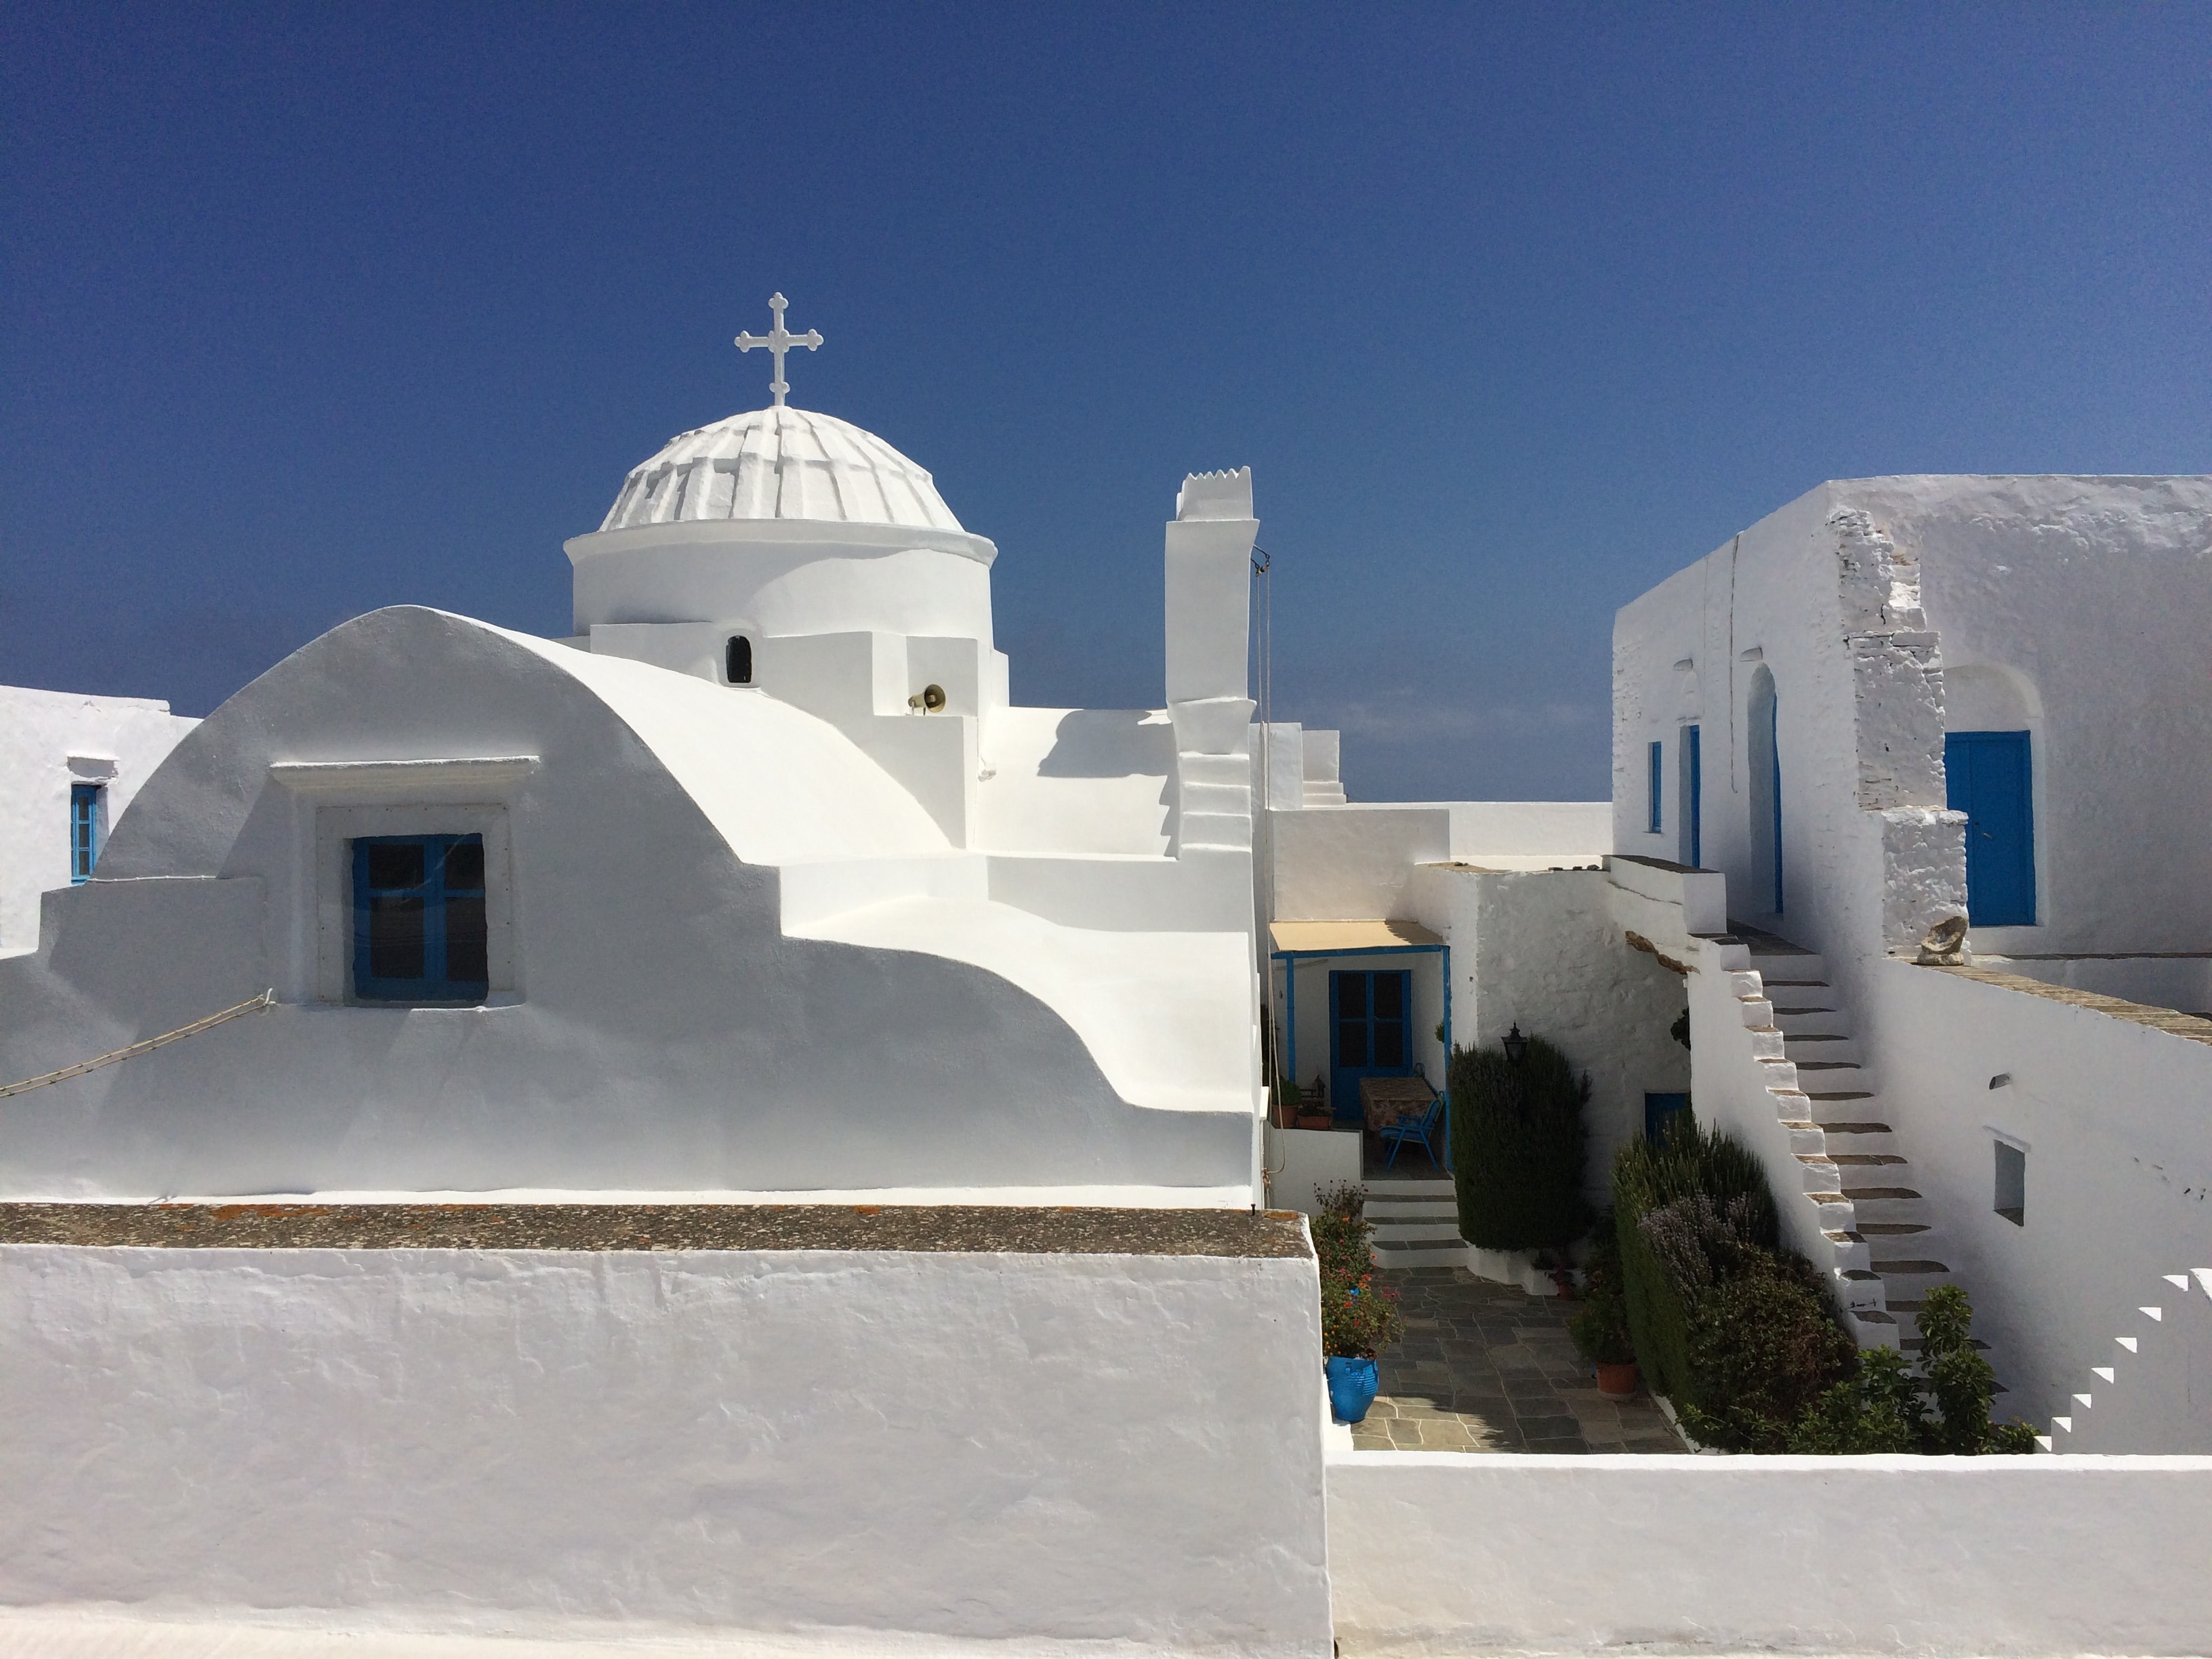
[1873, 1229]
[1421, 1252]
[1388, 1187]
[1813, 1050]
[1908, 1268]
[1406, 1232]
[1382, 1210]
[1856, 1160]
[1840, 1094]
[1798, 1021]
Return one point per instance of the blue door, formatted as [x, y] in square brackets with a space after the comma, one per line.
[1658, 1110]
[1989, 780]
[1693, 800]
[1367, 1018]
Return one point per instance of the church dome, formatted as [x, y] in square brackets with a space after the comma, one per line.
[780, 464]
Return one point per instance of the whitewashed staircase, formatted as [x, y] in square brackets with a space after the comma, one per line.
[1416, 1225]
[1416, 1222]
[1885, 1241]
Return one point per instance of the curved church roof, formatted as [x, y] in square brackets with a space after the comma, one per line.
[779, 462]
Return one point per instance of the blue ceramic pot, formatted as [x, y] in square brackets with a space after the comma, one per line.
[1351, 1384]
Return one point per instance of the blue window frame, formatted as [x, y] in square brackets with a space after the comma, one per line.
[1654, 782]
[1371, 1015]
[87, 808]
[1988, 776]
[418, 919]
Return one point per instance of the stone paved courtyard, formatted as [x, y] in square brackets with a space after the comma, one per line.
[1488, 1368]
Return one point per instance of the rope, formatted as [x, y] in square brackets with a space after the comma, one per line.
[267, 1000]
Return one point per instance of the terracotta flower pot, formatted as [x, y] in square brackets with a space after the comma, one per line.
[1616, 1382]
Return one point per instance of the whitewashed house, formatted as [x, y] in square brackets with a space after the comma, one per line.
[1897, 701]
[1398, 931]
[759, 883]
[70, 764]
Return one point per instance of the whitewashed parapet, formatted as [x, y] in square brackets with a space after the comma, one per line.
[2149, 1396]
[1699, 897]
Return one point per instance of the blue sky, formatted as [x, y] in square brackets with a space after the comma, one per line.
[1512, 310]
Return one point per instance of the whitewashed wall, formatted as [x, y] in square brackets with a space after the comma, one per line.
[2112, 1114]
[50, 740]
[659, 1027]
[832, 1450]
[1543, 949]
[1890, 609]
[1437, 1553]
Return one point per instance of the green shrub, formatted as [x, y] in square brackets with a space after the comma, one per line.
[1737, 1213]
[1764, 1345]
[1962, 1381]
[1517, 1141]
[1877, 1408]
[1341, 1243]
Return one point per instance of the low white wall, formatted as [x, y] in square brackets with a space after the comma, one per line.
[1353, 862]
[837, 1447]
[1301, 1162]
[1438, 1552]
[1562, 831]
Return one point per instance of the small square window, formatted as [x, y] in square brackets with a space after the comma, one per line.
[2012, 1183]
[420, 932]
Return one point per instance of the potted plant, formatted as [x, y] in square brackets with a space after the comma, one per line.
[1300, 1115]
[1601, 1330]
[1357, 1319]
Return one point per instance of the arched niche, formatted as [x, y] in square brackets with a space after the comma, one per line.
[1764, 776]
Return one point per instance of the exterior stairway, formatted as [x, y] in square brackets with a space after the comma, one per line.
[1416, 1222]
[1889, 1248]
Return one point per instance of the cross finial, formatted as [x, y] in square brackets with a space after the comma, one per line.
[778, 340]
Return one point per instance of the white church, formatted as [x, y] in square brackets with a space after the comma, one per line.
[722, 1131]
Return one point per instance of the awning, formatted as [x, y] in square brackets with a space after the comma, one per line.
[1304, 936]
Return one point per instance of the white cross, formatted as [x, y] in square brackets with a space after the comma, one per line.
[778, 340]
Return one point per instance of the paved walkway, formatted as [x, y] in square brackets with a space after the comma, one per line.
[1488, 1368]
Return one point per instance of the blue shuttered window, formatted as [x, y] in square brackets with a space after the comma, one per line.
[88, 807]
[418, 919]
[1654, 778]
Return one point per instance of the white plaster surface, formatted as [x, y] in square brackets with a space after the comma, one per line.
[821, 1450]
[1301, 1163]
[1545, 950]
[2120, 1174]
[666, 1031]
[50, 740]
[1438, 1552]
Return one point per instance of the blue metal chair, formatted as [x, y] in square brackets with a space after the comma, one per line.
[1422, 1129]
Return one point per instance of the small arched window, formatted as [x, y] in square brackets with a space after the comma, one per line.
[737, 661]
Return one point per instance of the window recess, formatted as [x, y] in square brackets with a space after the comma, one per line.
[419, 922]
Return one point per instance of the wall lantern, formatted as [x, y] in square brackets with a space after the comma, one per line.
[1516, 1046]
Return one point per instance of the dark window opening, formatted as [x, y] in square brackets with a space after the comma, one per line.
[2012, 1184]
[420, 934]
[737, 661]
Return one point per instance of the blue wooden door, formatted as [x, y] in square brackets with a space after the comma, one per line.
[1989, 780]
[1658, 1110]
[1368, 1013]
[1693, 800]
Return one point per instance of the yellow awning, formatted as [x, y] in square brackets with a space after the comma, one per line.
[1304, 936]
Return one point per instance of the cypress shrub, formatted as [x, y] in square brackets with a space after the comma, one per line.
[1517, 1141]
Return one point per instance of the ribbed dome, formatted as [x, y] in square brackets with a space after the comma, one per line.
[780, 464]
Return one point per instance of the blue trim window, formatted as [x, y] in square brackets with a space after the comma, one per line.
[1693, 800]
[418, 919]
[88, 810]
[1653, 783]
